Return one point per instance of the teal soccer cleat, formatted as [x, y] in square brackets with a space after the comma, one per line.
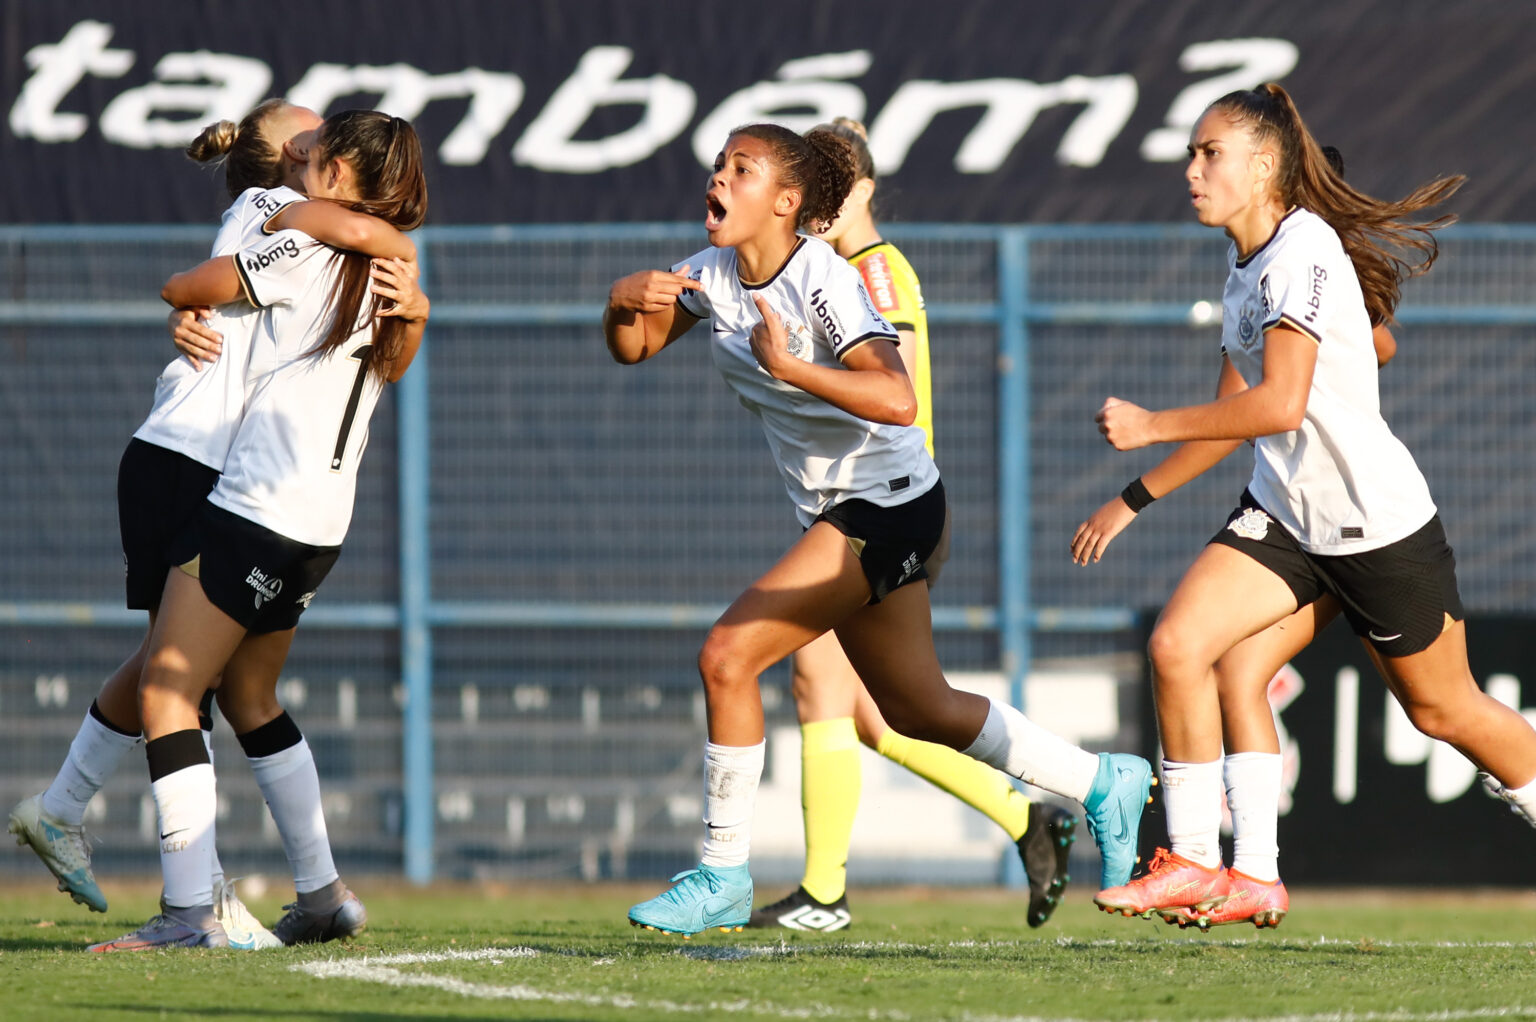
[1120, 792]
[709, 896]
[62, 848]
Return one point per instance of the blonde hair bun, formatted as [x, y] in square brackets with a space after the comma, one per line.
[213, 141]
[857, 127]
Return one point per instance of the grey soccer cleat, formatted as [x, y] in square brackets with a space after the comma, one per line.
[301, 925]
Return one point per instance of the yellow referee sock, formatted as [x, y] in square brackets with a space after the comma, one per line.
[969, 780]
[830, 780]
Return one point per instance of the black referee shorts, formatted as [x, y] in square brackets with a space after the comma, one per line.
[160, 494]
[1396, 597]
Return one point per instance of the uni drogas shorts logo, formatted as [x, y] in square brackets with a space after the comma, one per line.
[1251, 524]
[267, 586]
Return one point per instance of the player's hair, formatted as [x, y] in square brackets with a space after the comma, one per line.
[1385, 241]
[385, 156]
[1335, 159]
[250, 159]
[857, 136]
[820, 163]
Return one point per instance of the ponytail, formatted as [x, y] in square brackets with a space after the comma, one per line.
[384, 153]
[1386, 242]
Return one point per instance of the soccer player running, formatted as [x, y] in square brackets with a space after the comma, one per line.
[795, 335]
[1251, 762]
[836, 712]
[1336, 504]
[273, 525]
[168, 468]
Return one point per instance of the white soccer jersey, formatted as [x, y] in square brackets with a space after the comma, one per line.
[195, 412]
[826, 455]
[1342, 483]
[292, 467]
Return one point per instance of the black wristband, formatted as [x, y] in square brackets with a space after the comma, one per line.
[1136, 496]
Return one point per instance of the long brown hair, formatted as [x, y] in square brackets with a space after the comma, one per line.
[1385, 240]
[385, 156]
[250, 159]
[820, 163]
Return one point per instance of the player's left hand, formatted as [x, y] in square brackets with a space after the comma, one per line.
[1093, 535]
[1124, 425]
[770, 341]
[396, 279]
[193, 338]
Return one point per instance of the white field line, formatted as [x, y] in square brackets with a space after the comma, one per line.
[381, 969]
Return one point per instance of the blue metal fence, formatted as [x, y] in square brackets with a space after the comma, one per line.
[1049, 318]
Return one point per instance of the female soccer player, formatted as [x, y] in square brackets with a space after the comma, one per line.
[795, 335]
[171, 464]
[1336, 504]
[273, 525]
[836, 713]
[1251, 763]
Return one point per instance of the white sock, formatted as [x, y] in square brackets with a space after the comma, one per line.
[1524, 801]
[217, 875]
[187, 805]
[1017, 746]
[1253, 795]
[291, 786]
[1192, 799]
[93, 758]
[731, 776]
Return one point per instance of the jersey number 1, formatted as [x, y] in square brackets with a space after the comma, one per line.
[362, 355]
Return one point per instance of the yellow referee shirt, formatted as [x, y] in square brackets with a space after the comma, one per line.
[894, 289]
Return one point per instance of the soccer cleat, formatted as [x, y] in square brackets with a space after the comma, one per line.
[240, 924]
[1043, 847]
[301, 925]
[1114, 804]
[63, 849]
[1171, 882]
[1249, 901]
[708, 896]
[801, 911]
[173, 927]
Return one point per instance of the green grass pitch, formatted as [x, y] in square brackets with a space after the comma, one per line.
[453, 952]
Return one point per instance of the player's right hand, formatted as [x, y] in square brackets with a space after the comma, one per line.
[650, 290]
[193, 338]
[1103, 525]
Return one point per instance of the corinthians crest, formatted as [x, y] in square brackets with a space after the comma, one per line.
[1249, 317]
[1251, 524]
[798, 343]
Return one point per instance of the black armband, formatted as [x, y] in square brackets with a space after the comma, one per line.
[1136, 496]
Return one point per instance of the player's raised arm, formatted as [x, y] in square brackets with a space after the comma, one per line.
[643, 315]
[340, 227]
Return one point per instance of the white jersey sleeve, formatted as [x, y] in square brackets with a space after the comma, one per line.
[1295, 292]
[695, 302]
[248, 218]
[195, 411]
[273, 271]
[844, 313]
